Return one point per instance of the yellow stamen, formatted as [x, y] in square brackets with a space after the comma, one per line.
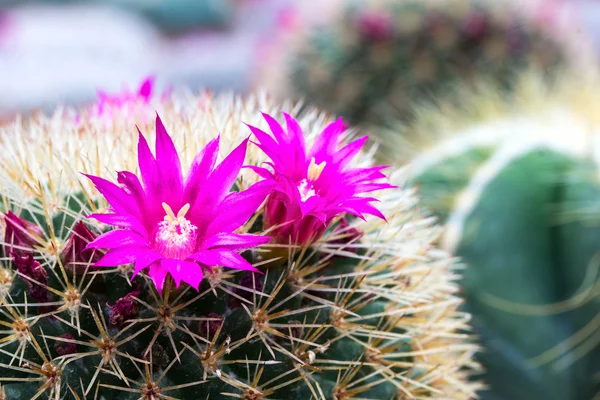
[183, 210]
[315, 170]
[170, 217]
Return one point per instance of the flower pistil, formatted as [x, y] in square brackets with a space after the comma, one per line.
[175, 235]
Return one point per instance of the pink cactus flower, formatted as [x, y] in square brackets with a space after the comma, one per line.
[178, 226]
[107, 102]
[131, 105]
[313, 186]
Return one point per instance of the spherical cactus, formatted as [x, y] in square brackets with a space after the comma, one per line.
[253, 274]
[372, 61]
[518, 187]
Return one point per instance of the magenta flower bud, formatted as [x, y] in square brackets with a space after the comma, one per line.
[376, 26]
[124, 309]
[312, 186]
[20, 236]
[31, 268]
[207, 329]
[65, 348]
[76, 256]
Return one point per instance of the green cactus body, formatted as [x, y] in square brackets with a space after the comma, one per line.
[519, 194]
[373, 61]
[374, 317]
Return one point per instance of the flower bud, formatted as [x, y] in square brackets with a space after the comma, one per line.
[75, 256]
[20, 236]
[31, 268]
[124, 309]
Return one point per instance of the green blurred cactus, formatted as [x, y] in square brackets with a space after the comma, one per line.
[369, 311]
[374, 60]
[520, 195]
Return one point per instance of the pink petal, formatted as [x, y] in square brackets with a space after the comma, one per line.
[145, 90]
[203, 164]
[370, 187]
[267, 144]
[223, 257]
[117, 238]
[187, 271]
[223, 177]
[297, 142]
[144, 260]
[260, 171]
[132, 185]
[119, 256]
[326, 142]
[238, 207]
[311, 204]
[158, 274]
[122, 221]
[152, 180]
[358, 209]
[147, 163]
[234, 241]
[169, 166]
[358, 175]
[277, 129]
[348, 152]
[116, 196]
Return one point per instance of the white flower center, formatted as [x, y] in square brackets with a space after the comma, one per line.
[306, 190]
[175, 235]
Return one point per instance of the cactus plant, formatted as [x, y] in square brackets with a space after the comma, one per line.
[372, 61]
[517, 185]
[352, 307]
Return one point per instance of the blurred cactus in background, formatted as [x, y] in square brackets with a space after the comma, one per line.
[517, 184]
[372, 61]
[352, 309]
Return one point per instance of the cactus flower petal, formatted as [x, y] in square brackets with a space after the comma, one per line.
[176, 225]
[186, 271]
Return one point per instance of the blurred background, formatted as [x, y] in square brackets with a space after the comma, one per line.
[492, 105]
[62, 51]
